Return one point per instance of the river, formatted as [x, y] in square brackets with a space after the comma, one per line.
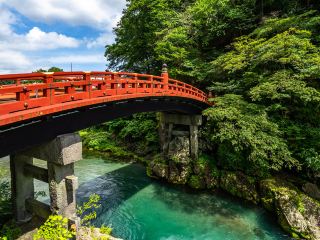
[137, 207]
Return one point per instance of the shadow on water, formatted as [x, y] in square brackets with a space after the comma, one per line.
[121, 184]
[225, 209]
[115, 187]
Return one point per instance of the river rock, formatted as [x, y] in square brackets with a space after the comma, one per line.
[240, 185]
[158, 169]
[212, 177]
[298, 214]
[88, 233]
[179, 150]
[311, 190]
[179, 173]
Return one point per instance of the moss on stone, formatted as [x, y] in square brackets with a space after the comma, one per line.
[240, 185]
[298, 214]
[149, 171]
[196, 182]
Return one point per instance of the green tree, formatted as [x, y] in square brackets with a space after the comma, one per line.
[278, 67]
[245, 137]
[136, 35]
[52, 69]
[55, 69]
[260, 57]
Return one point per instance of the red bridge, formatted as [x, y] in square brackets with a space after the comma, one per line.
[37, 107]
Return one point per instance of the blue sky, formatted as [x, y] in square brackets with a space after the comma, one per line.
[43, 33]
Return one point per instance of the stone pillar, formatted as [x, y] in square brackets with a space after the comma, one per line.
[194, 142]
[62, 189]
[60, 154]
[167, 131]
[21, 187]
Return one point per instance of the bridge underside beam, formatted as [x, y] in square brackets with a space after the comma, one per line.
[18, 137]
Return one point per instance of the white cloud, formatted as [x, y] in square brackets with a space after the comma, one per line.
[7, 18]
[77, 59]
[102, 40]
[13, 61]
[25, 52]
[37, 39]
[15, 48]
[102, 14]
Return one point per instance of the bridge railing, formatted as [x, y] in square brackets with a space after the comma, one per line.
[20, 93]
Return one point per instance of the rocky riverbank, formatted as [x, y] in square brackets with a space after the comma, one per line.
[293, 201]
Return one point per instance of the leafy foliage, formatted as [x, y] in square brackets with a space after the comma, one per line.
[246, 139]
[87, 211]
[140, 127]
[279, 72]
[10, 232]
[105, 230]
[260, 57]
[98, 139]
[56, 227]
[5, 198]
[124, 138]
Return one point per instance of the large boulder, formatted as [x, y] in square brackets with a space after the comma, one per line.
[297, 213]
[179, 173]
[175, 171]
[311, 190]
[239, 185]
[179, 149]
[158, 169]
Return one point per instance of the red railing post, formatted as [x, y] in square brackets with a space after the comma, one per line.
[165, 76]
[87, 87]
[150, 79]
[136, 82]
[49, 91]
[115, 78]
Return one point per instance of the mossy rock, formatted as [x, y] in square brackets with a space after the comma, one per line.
[179, 173]
[298, 214]
[197, 182]
[157, 168]
[240, 185]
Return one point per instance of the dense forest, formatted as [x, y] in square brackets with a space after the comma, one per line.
[259, 58]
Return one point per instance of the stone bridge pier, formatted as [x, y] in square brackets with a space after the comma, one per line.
[180, 148]
[179, 132]
[60, 156]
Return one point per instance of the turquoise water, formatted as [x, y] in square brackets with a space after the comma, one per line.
[137, 207]
[140, 208]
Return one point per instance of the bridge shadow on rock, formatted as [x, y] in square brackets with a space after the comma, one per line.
[114, 187]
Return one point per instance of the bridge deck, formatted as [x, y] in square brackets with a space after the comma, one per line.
[28, 96]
